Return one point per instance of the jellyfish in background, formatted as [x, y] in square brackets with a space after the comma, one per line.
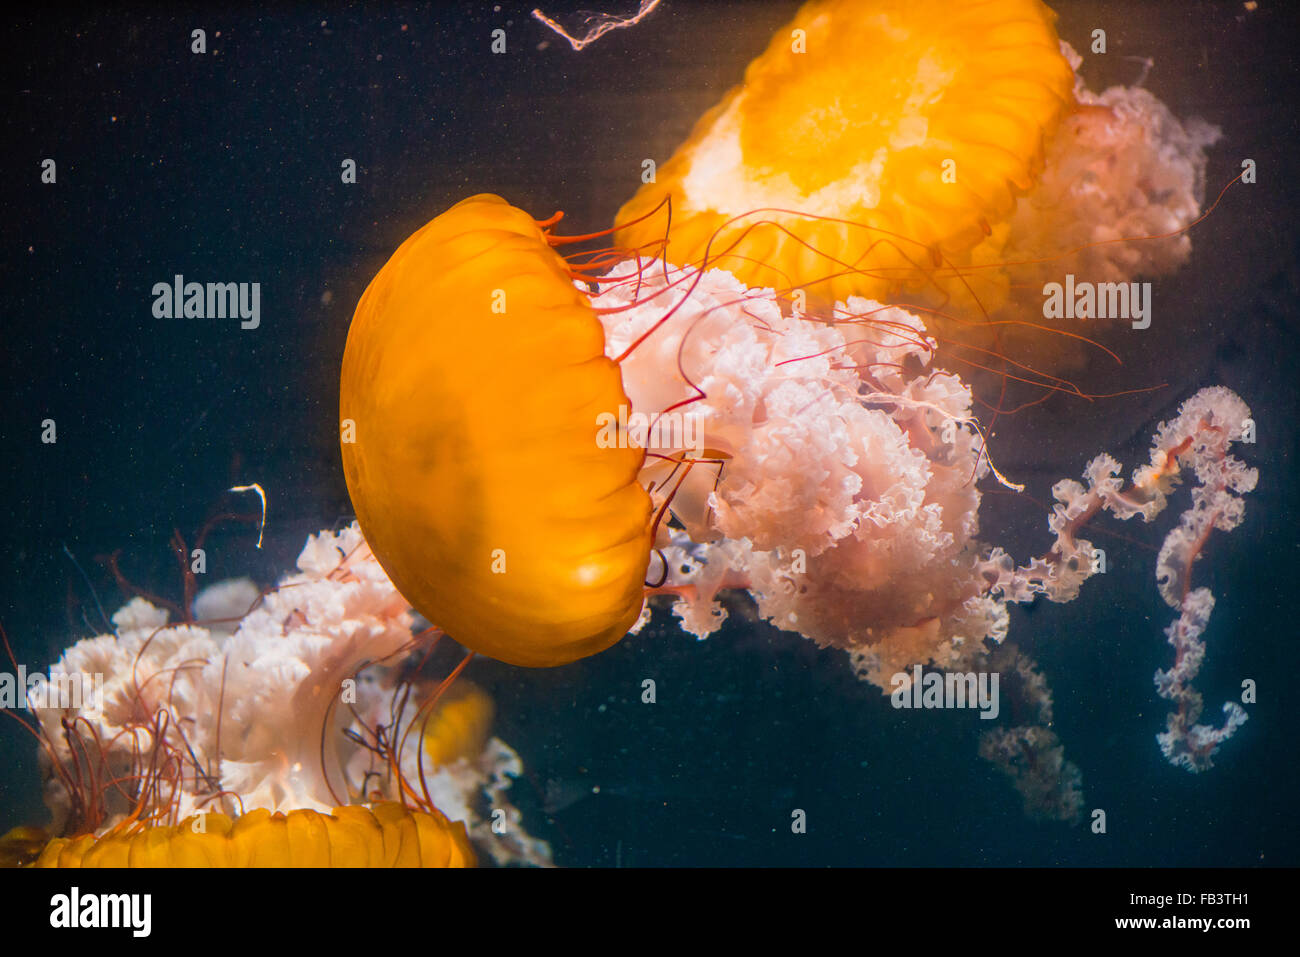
[285, 712]
[928, 152]
[536, 445]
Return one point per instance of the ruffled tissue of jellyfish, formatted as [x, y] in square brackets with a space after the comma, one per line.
[271, 714]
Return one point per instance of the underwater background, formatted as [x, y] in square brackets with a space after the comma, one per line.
[226, 167]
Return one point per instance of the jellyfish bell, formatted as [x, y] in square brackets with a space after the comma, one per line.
[936, 153]
[473, 380]
[385, 835]
[458, 726]
[868, 144]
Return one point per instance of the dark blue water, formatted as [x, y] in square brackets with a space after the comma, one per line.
[226, 166]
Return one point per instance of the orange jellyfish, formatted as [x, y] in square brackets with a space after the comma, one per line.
[886, 136]
[458, 725]
[473, 378]
[178, 756]
[387, 835]
[925, 151]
